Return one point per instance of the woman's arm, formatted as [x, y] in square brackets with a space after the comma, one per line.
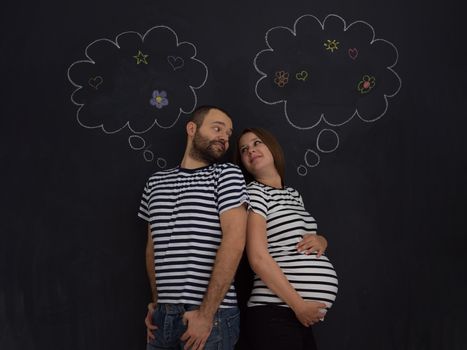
[307, 312]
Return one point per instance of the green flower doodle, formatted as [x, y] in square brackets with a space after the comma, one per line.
[366, 84]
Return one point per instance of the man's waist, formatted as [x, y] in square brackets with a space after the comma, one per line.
[180, 308]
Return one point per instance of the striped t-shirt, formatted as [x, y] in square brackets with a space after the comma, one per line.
[287, 221]
[182, 207]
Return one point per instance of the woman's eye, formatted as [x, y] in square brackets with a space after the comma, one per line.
[257, 142]
[243, 150]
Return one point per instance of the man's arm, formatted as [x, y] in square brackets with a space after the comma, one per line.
[233, 225]
[152, 282]
[150, 265]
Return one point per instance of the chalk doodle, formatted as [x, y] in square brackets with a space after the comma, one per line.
[353, 53]
[281, 78]
[366, 84]
[141, 58]
[159, 99]
[301, 75]
[302, 170]
[327, 141]
[148, 155]
[136, 142]
[176, 62]
[311, 160]
[137, 84]
[331, 45]
[346, 61]
[95, 81]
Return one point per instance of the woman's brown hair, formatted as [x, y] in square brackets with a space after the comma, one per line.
[274, 147]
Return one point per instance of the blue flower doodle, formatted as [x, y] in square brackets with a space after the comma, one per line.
[159, 99]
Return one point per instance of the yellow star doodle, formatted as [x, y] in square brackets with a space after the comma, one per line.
[140, 57]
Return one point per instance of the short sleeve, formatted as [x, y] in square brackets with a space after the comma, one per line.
[300, 199]
[258, 200]
[143, 211]
[231, 189]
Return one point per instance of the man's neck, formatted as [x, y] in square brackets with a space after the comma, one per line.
[189, 162]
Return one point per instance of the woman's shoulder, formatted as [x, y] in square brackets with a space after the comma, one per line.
[292, 192]
[255, 186]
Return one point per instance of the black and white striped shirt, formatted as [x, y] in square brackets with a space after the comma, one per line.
[182, 207]
[287, 221]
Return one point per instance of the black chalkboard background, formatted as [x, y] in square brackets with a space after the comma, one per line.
[390, 198]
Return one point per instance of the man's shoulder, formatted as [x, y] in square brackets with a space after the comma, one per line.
[229, 172]
[163, 173]
[230, 167]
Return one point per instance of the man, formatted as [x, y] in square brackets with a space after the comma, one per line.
[196, 217]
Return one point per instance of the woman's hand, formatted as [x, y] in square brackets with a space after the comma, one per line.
[310, 312]
[312, 243]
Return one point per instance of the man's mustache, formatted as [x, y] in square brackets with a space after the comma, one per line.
[222, 143]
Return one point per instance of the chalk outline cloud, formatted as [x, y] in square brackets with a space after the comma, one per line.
[322, 118]
[127, 124]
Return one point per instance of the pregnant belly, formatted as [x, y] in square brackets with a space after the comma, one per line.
[313, 278]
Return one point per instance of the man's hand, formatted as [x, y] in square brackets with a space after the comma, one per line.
[312, 243]
[199, 329]
[310, 312]
[148, 321]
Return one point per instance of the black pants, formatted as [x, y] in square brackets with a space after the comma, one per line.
[276, 327]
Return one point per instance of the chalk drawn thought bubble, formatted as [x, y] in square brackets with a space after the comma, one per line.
[327, 71]
[137, 81]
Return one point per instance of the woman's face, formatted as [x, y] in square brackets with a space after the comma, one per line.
[255, 155]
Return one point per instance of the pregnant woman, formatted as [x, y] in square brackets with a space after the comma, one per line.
[292, 288]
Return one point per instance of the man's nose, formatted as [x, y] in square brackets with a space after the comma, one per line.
[224, 136]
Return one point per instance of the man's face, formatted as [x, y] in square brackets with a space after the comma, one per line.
[211, 139]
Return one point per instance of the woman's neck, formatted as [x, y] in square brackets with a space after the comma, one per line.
[272, 179]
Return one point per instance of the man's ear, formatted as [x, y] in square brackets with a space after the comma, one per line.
[190, 129]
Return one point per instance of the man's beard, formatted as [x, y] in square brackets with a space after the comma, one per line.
[203, 149]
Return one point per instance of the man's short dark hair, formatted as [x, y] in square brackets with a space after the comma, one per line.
[199, 113]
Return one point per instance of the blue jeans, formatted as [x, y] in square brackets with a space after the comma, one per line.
[169, 320]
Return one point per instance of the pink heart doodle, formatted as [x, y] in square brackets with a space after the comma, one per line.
[176, 62]
[353, 53]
